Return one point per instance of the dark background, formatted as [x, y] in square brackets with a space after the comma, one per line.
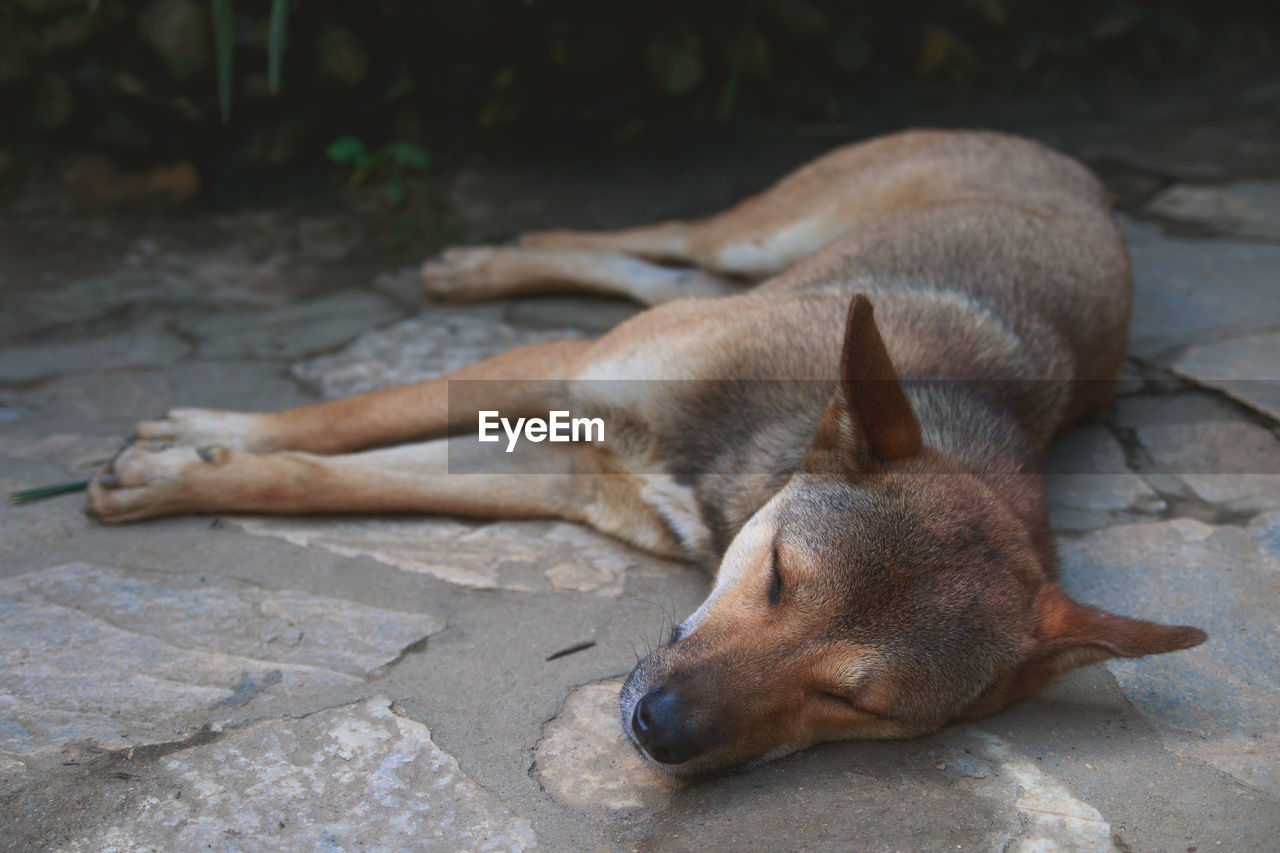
[131, 85]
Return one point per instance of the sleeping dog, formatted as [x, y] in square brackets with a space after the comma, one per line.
[866, 483]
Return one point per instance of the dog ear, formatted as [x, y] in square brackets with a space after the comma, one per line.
[869, 416]
[1069, 635]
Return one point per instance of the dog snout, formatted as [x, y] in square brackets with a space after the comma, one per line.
[664, 730]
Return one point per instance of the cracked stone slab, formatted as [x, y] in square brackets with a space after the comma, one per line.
[402, 286]
[585, 761]
[1072, 769]
[1217, 702]
[290, 331]
[516, 555]
[1197, 291]
[126, 396]
[592, 314]
[1244, 368]
[359, 777]
[1181, 408]
[69, 451]
[1234, 465]
[145, 344]
[1089, 484]
[28, 533]
[330, 238]
[416, 349]
[268, 233]
[1187, 149]
[259, 261]
[963, 787]
[145, 279]
[131, 657]
[1246, 209]
[200, 611]
[1049, 815]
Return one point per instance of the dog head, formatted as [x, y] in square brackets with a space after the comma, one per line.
[882, 592]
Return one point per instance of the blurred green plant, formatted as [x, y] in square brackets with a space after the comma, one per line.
[400, 166]
[224, 48]
[276, 37]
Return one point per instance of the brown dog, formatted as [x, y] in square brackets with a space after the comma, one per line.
[885, 558]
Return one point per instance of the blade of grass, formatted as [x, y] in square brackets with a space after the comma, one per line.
[729, 94]
[224, 46]
[276, 38]
[26, 496]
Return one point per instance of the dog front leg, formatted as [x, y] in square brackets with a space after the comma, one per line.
[541, 481]
[530, 378]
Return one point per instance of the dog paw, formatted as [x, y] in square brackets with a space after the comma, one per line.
[198, 427]
[143, 482]
[459, 274]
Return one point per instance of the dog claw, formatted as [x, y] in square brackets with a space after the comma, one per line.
[108, 481]
[208, 454]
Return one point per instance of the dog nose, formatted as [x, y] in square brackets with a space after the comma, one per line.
[663, 730]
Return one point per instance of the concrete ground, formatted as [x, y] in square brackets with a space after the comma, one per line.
[263, 684]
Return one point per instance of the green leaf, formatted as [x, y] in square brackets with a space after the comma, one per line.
[224, 46]
[729, 94]
[395, 193]
[676, 65]
[276, 38]
[401, 153]
[409, 156]
[347, 149]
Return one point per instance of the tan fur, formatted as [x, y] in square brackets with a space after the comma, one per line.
[866, 483]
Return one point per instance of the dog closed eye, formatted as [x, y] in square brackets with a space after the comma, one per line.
[775, 579]
[847, 703]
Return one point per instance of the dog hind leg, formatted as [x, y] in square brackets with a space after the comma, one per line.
[473, 273]
[756, 239]
[666, 241]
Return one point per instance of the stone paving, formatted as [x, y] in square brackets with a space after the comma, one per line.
[260, 684]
